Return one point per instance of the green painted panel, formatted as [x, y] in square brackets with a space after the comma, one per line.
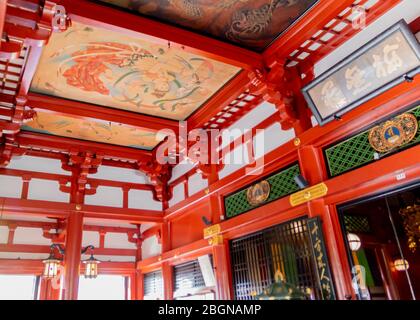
[281, 184]
[357, 151]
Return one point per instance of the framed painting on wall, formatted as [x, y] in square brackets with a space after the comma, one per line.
[386, 61]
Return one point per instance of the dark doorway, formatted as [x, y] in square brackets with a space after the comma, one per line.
[285, 249]
[383, 241]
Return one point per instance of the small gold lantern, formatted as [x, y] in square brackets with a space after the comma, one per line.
[401, 264]
[91, 264]
[52, 264]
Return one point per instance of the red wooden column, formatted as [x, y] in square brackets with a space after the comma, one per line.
[47, 291]
[168, 281]
[3, 6]
[72, 256]
[313, 169]
[44, 289]
[220, 253]
[167, 274]
[222, 271]
[73, 247]
[216, 208]
[137, 288]
[136, 279]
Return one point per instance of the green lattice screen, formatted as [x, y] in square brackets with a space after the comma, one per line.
[281, 184]
[357, 224]
[357, 151]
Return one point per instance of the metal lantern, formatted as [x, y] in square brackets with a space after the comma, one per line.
[52, 264]
[401, 265]
[354, 241]
[91, 268]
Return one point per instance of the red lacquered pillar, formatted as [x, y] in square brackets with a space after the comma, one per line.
[72, 256]
[313, 169]
[168, 286]
[222, 271]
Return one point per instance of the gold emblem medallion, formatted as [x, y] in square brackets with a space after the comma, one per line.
[393, 133]
[258, 193]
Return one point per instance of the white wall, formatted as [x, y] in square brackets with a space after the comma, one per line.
[4, 234]
[90, 238]
[37, 164]
[46, 190]
[10, 187]
[151, 248]
[143, 199]
[271, 138]
[177, 195]
[120, 174]
[118, 240]
[106, 196]
[196, 183]
[30, 236]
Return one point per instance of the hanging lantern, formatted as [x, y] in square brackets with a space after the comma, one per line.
[51, 268]
[52, 264]
[354, 241]
[91, 268]
[401, 265]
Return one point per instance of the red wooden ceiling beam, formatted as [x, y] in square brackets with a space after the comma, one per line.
[18, 266]
[135, 25]
[54, 225]
[176, 256]
[220, 100]
[415, 25]
[8, 113]
[357, 119]
[3, 6]
[54, 210]
[122, 214]
[114, 268]
[62, 177]
[59, 156]
[92, 112]
[59, 210]
[371, 15]
[36, 267]
[29, 248]
[316, 18]
[66, 145]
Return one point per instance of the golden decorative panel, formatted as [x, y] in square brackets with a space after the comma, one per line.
[308, 194]
[393, 133]
[106, 68]
[211, 231]
[92, 130]
[258, 193]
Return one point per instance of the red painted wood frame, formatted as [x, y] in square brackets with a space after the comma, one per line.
[374, 178]
[47, 292]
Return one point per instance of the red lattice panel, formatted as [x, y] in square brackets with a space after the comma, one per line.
[234, 111]
[338, 30]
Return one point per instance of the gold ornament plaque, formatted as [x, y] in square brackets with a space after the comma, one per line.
[258, 193]
[393, 133]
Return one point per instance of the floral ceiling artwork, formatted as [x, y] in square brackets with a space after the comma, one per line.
[106, 68]
[253, 24]
[92, 130]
